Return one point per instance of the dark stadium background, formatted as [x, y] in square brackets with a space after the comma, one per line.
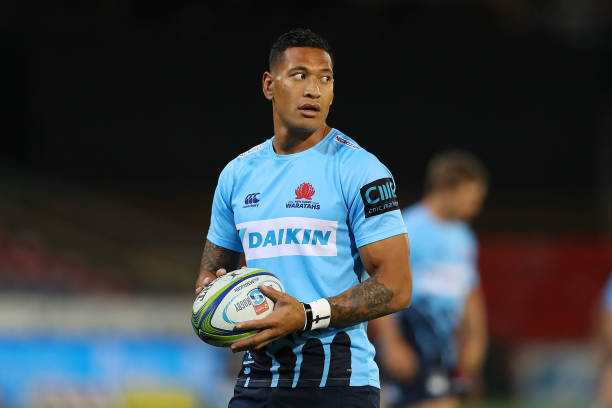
[119, 115]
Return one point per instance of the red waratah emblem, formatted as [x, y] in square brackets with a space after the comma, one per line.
[304, 190]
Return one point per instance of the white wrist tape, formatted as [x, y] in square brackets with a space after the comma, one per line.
[318, 314]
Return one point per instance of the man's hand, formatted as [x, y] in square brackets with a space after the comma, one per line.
[400, 362]
[206, 277]
[209, 277]
[398, 359]
[287, 316]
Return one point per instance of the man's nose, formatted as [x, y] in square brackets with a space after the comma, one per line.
[312, 89]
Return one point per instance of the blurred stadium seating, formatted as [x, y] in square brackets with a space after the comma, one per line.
[94, 304]
[59, 236]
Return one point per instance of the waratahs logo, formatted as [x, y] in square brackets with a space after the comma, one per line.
[304, 191]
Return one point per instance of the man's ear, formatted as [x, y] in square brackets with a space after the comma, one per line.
[267, 85]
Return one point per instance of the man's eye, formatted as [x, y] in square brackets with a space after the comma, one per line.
[299, 75]
[326, 78]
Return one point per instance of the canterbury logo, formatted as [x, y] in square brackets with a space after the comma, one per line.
[251, 198]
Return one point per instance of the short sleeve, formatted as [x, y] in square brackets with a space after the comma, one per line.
[608, 296]
[222, 230]
[370, 193]
[474, 279]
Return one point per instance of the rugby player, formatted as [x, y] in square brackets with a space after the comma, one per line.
[431, 351]
[313, 207]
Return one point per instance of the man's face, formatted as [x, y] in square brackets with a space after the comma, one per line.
[466, 199]
[301, 87]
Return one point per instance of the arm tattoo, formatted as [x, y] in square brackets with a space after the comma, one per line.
[215, 257]
[368, 300]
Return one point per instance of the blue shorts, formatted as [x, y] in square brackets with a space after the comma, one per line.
[431, 385]
[306, 397]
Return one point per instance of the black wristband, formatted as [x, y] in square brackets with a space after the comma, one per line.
[308, 313]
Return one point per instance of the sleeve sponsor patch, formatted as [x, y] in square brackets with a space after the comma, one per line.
[253, 150]
[346, 142]
[379, 197]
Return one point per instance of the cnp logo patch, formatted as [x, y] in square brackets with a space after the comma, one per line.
[379, 197]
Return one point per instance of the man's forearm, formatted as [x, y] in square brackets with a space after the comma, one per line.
[472, 334]
[388, 289]
[215, 257]
[606, 331]
[472, 354]
[368, 300]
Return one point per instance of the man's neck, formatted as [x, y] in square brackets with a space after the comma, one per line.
[287, 141]
[435, 205]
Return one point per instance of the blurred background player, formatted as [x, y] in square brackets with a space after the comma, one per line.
[605, 394]
[430, 352]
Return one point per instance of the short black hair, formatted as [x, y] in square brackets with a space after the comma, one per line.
[450, 168]
[298, 37]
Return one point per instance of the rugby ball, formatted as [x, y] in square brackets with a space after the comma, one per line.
[229, 300]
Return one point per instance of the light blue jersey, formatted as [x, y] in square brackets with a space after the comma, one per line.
[302, 217]
[444, 271]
